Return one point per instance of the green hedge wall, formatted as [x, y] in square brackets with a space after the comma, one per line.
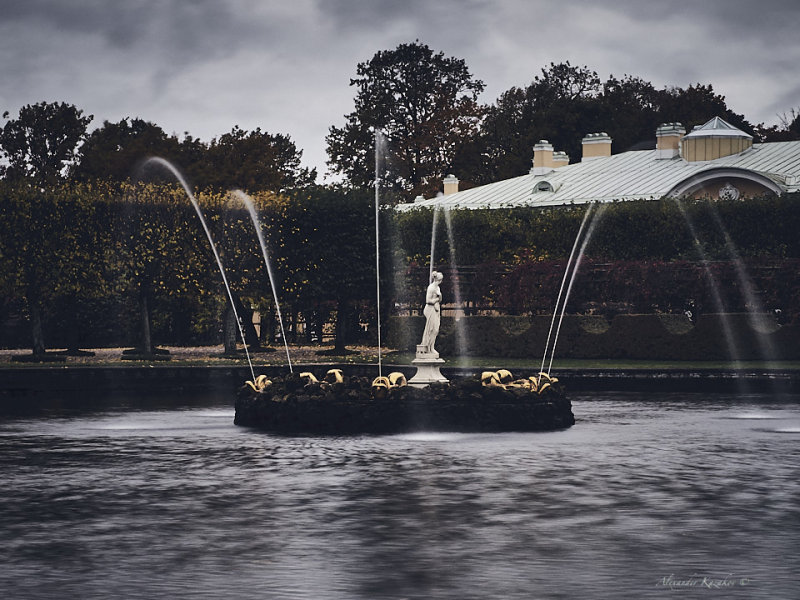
[83, 256]
[646, 337]
[631, 230]
[643, 256]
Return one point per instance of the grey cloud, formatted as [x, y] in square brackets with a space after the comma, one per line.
[180, 29]
[424, 17]
[285, 65]
[724, 20]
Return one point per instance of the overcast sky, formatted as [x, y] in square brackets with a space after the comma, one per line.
[204, 66]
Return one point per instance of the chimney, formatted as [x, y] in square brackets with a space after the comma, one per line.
[596, 145]
[450, 185]
[668, 140]
[560, 159]
[542, 158]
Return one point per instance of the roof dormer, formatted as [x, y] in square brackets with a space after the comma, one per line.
[715, 139]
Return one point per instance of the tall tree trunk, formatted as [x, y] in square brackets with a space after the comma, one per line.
[268, 326]
[144, 314]
[37, 336]
[230, 330]
[341, 327]
[74, 327]
[246, 315]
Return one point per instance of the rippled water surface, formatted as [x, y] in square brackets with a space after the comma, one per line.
[658, 496]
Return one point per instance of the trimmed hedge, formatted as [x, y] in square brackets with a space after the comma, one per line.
[646, 337]
[83, 255]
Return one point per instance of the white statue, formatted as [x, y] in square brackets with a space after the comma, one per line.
[433, 316]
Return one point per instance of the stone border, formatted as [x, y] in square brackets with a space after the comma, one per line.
[38, 381]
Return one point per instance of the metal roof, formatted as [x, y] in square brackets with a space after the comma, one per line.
[717, 127]
[632, 175]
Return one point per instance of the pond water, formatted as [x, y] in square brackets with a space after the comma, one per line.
[656, 496]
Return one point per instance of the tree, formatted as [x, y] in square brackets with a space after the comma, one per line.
[114, 150]
[240, 159]
[46, 253]
[158, 251]
[629, 111]
[333, 250]
[559, 105]
[40, 144]
[695, 105]
[566, 102]
[253, 161]
[787, 130]
[84, 277]
[424, 103]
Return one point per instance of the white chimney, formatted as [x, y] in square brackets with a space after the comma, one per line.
[596, 145]
[450, 185]
[668, 140]
[560, 159]
[542, 158]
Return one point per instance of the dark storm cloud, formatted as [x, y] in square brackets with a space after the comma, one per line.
[734, 18]
[743, 18]
[203, 66]
[355, 14]
[179, 28]
[676, 42]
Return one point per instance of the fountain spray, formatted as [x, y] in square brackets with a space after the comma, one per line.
[563, 283]
[380, 141]
[171, 168]
[433, 241]
[598, 213]
[248, 202]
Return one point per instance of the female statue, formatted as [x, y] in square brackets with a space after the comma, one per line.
[433, 315]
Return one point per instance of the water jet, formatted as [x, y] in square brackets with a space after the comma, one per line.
[180, 178]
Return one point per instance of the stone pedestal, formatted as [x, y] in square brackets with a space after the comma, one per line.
[428, 365]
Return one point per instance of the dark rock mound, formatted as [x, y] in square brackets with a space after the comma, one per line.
[353, 406]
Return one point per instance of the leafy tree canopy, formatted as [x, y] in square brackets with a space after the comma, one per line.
[114, 150]
[253, 161]
[787, 130]
[40, 144]
[424, 103]
[566, 102]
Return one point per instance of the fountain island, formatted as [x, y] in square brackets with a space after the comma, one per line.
[337, 404]
[343, 405]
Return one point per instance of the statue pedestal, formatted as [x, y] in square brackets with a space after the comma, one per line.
[428, 365]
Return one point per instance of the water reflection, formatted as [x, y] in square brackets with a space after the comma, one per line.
[173, 501]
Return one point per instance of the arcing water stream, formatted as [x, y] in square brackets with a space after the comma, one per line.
[177, 174]
[248, 202]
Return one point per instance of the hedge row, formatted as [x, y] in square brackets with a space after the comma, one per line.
[734, 336]
[84, 262]
[105, 254]
[631, 230]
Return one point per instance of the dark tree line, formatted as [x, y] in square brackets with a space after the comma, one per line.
[424, 103]
[427, 105]
[49, 143]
